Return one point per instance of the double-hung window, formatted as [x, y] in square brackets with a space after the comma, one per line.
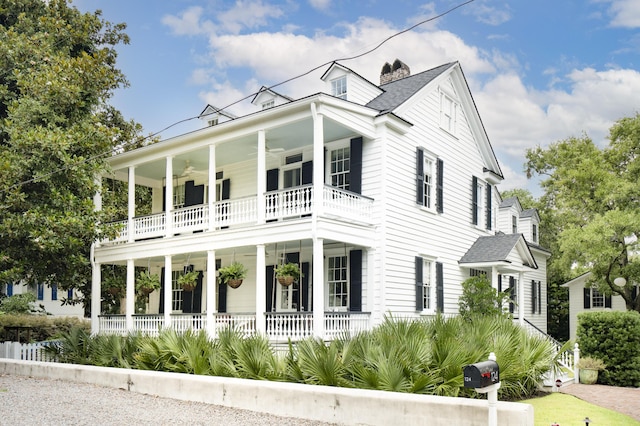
[338, 282]
[448, 113]
[339, 87]
[477, 200]
[340, 168]
[429, 181]
[176, 291]
[597, 298]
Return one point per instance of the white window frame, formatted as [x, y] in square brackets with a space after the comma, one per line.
[448, 113]
[339, 87]
[514, 224]
[534, 232]
[481, 201]
[343, 167]
[343, 281]
[268, 104]
[176, 292]
[429, 182]
[429, 285]
[597, 298]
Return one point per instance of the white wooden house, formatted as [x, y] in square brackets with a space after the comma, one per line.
[49, 296]
[384, 195]
[585, 297]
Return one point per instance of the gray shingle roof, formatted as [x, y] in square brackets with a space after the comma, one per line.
[399, 91]
[492, 248]
[528, 213]
[508, 202]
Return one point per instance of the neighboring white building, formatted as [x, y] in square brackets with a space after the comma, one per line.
[50, 297]
[586, 298]
[385, 195]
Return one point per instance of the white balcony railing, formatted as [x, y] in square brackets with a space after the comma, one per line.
[284, 204]
[337, 324]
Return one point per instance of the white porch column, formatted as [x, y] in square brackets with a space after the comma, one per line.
[168, 291]
[168, 203]
[131, 202]
[521, 309]
[318, 160]
[261, 290]
[211, 293]
[262, 176]
[130, 295]
[96, 294]
[318, 288]
[494, 277]
[212, 188]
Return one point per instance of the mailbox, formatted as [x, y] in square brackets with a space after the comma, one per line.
[481, 374]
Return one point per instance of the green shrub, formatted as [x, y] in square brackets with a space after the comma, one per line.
[41, 327]
[614, 338]
[480, 298]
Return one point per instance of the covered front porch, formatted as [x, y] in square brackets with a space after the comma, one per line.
[339, 303]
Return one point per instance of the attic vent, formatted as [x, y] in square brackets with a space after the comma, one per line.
[394, 72]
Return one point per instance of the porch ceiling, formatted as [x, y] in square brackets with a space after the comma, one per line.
[281, 141]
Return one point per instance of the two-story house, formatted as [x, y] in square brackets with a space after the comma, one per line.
[385, 195]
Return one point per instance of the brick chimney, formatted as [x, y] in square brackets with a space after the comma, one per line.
[394, 72]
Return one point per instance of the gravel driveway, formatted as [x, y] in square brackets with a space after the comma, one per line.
[29, 401]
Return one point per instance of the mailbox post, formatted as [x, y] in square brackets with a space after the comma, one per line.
[484, 377]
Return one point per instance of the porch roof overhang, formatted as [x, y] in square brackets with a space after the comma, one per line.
[287, 127]
[508, 252]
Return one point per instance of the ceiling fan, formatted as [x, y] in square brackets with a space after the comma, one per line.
[269, 150]
[188, 169]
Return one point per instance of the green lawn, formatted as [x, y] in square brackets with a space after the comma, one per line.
[567, 410]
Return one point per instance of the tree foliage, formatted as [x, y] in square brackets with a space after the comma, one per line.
[595, 196]
[57, 74]
[480, 298]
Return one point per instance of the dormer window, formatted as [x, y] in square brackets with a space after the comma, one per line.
[535, 233]
[514, 224]
[339, 87]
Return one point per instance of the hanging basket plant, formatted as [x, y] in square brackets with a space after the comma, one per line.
[188, 281]
[147, 283]
[287, 273]
[233, 274]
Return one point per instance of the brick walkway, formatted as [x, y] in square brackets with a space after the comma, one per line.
[622, 400]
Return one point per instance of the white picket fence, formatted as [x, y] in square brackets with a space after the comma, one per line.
[25, 351]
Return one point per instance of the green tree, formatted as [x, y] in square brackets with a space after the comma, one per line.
[596, 198]
[57, 74]
[480, 298]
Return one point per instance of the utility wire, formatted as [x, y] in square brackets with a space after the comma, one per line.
[348, 58]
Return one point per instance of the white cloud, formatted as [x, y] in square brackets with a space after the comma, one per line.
[625, 13]
[516, 116]
[188, 22]
[322, 5]
[247, 14]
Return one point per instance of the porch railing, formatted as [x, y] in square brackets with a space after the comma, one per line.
[296, 326]
[288, 203]
[280, 326]
[337, 324]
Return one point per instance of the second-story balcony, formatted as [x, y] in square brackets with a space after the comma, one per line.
[278, 205]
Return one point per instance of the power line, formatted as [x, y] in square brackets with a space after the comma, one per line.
[152, 135]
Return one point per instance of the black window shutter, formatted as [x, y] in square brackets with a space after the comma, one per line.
[419, 287]
[499, 283]
[439, 287]
[534, 301]
[440, 187]
[307, 172]
[164, 197]
[607, 301]
[419, 176]
[355, 171]
[193, 194]
[474, 200]
[270, 287]
[161, 307]
[489, 209]
[307, 303]
[634, 292]
[226, 189]
[587, 298]
[272, 180]
[355, 281]
[512, 293]
[539, 297]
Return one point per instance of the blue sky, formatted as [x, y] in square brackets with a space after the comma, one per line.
[539, 71]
